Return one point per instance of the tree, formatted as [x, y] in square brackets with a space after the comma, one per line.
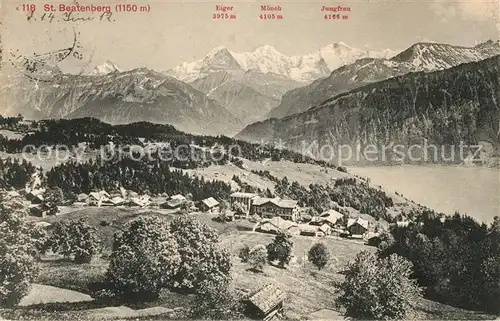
[75, 239]
[40, 238]
[257, 257]
[202, 259]
[318, 255]
[223, 208]
[54, 195]
[217, 302]
[280, 249]
[18, 253]
[386, 241]
[378, 288]
[244, 253]
[144, 259]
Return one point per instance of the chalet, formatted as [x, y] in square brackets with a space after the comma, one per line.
[35, 194]
[179, 197]
[268, 208]
[173, 203]
[157, 200]
[242, 201]
[210, 205]
[42, 210]
[332, 221]
[357, 226]
[308, 230]
[276, 225]
[266, 303]
[94, 198]
[332, 215]
[142, 201]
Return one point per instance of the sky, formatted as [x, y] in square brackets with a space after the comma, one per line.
[174, 31]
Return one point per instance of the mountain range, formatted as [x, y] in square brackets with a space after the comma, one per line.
[118, 97]
[251, 84]
[226, 91]
[266, 59]
[446, 107]
[419, 57]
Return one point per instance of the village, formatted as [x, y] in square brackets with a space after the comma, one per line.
[268, 215]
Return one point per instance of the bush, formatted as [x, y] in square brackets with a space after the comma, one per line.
[18, 266]
[258, 257]
[202, 259]
[143, 261]
[280, 249]
[75, 239]
[342, 169]
[244, 253]
[378, 288]
[318, 255]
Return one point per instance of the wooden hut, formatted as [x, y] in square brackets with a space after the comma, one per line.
[266, 303]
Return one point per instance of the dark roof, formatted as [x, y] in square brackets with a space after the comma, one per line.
[267, 298]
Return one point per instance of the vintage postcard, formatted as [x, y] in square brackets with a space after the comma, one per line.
[249, 160]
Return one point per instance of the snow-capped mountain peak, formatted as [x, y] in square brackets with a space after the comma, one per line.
[217, 51]
[267, 59]
[106, 68]
[339, 54]
[269, 50]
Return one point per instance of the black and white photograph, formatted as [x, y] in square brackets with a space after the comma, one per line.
[249, 160]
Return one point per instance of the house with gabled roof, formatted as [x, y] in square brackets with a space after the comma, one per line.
[272, 207]
[276, 225]
[332, 214]
[357, 226]
[266, 304]
[173, 203]
[179, 197]
[210, 205]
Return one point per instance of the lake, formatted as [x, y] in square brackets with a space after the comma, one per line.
[446, 189]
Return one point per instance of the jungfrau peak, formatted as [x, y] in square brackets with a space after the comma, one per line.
[339, 54]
